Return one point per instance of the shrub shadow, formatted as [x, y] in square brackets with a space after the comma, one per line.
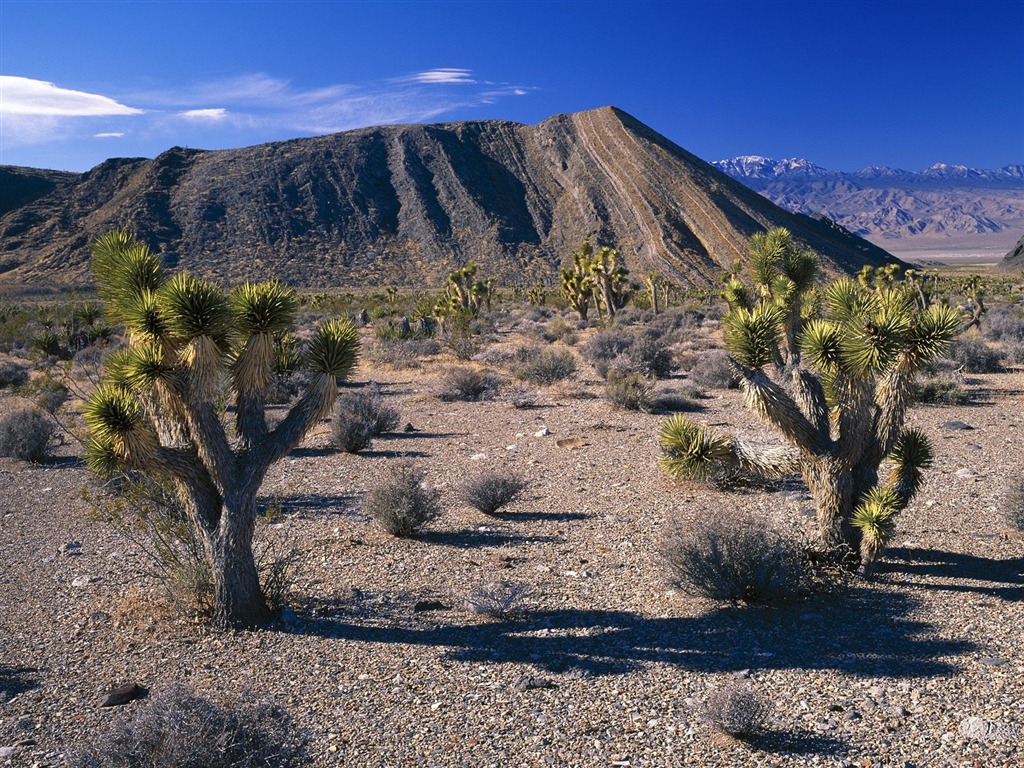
[469, 539]
[15, 680]
[345, 504]
[540, 516]
[861, 632]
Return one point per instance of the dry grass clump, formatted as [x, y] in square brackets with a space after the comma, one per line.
[712, 370]
[25, 434]
[629, 391]
[491, 491]
[940, 389]
[974, 355]
[468, 384]
[181, 729]
[1013, 506]
[361, 415]
[732, 557]
[401, 504]
[13, 374]
[544, 366]
[497, 599]
[737, 710]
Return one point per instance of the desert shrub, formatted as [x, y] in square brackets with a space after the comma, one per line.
[1004, 324]
[675, 401]
[463, 335]
[25, 434]
[48, 393]
[1014, 352]
[546, 366]
[406, 353]
[733, 557]
[1013, 505]
[940, 389]
[629, 391]
[974, 355]
[469, 384]
[649, 356]
[737, 710]
[12, 374]
[286, 386]
[361, 415]
[401, 504]
[497, 599]
[604, 348]
[712, 370]
[180, 729]
[491, 491]
[559, 329]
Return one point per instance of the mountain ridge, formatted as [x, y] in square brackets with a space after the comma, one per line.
[406, 204]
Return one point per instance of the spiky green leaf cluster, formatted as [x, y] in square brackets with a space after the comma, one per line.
[263, 307]
[752, 336]
[124, 268]
[196, 308]
[690, 450]
[334, 350]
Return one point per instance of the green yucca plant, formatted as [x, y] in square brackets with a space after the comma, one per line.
[842, 414]
[156, 411]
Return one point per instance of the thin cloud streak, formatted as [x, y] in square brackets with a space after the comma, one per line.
[109, 135]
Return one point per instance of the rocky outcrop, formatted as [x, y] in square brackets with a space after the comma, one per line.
[405, 205]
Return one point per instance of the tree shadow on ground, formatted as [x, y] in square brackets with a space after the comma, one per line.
[342, 504]
[557, 517]
[1000, 578]
[15, 680]
[474, 538]
[419, 435]
[863, 631]
[798, 742]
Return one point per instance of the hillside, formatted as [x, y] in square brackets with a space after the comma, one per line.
[406, 204]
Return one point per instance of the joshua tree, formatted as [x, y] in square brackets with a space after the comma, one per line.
[157, 410]
[577, 281]
[784, 278]
[842, 417]
[656, 287]
[610, 278]
[463, 294]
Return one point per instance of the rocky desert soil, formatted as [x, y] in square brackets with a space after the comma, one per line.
[607, 665]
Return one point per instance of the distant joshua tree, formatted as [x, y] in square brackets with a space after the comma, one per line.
[189, 345]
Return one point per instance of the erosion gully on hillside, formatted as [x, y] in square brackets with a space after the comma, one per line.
[608, 665]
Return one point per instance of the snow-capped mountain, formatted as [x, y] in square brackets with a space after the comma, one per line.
[891, 204]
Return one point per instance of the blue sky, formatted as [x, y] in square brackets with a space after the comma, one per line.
[845, 84]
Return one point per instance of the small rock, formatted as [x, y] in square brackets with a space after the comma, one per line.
[85, 581]
[896, 711]
[570, 442]
[876, 691]
[529, 683]
[6, 753]
[429, 605]
[853, 715]
[975, 728]
[956, 425]
[479, 457]
[124, 694]
[966, 473]
[992, 661]
[542, 432]
[742, 674]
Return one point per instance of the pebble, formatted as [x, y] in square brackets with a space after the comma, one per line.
[542, 432]
[85, 581]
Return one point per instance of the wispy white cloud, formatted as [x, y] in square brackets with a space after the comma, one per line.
[445, 76]
[212, 115]
[25, 96]
[253, 107]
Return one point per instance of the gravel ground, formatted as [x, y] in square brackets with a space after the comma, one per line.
[880, 673]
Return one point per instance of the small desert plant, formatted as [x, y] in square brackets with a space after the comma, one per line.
[674, 401]
[604, 348]
[940, 390]
[465, 383]
[546, 366]
[12, 374]
[733, 557]
[491, 491]
[1013, 506]
[713, 370]
[180, 729]
[1005, 324]
[629, 391]
[401, 503]
[359, 416]
[974, 355]
[25, 434]
[737, 710]
[497, 599]
[406, 353]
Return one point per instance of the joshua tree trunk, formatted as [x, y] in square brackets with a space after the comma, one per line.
[238, 597]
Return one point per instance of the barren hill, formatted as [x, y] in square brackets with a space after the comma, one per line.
[406, 204]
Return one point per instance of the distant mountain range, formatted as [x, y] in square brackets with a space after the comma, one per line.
[405, 205]
[893, 207]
